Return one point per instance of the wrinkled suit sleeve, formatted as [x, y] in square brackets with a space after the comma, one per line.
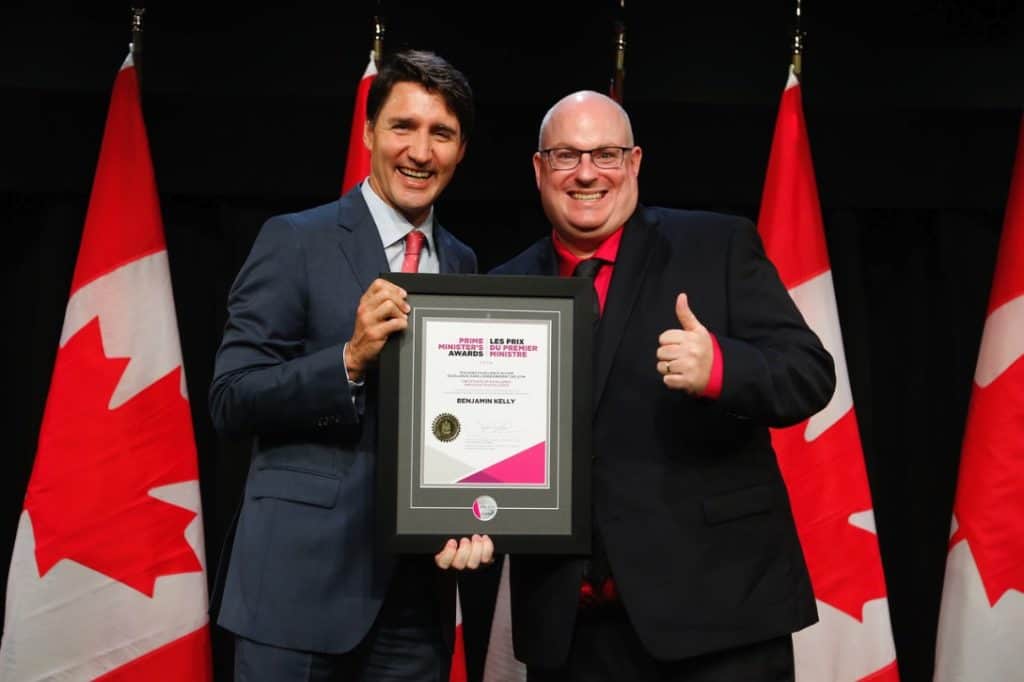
[265, 381]
[776, 370]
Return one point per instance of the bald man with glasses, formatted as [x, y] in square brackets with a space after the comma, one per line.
[696, 573]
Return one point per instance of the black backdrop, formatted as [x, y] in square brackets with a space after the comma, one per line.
[912, 112]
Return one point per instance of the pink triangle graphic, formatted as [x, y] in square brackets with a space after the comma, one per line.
[526, 467]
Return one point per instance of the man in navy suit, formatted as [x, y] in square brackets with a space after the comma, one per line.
[308, 591]
[697, 572]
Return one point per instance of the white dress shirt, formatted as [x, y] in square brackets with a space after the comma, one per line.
[392, 227]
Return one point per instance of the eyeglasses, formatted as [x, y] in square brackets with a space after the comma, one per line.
[567, 158]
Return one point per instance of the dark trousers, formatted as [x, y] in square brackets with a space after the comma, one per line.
[404, 645]
[606, 649]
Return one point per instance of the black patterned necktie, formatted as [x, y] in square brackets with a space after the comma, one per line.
[595, 569]
[589, 268]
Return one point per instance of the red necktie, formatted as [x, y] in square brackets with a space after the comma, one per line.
[413, 245]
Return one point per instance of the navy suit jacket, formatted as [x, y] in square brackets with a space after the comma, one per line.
[686, 492]
[305, 571]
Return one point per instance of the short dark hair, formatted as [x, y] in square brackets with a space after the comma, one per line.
[433, 73]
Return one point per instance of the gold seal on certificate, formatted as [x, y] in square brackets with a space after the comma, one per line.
[446, 427]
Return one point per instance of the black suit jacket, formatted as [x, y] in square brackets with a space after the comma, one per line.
[687, 494]
[305, 571]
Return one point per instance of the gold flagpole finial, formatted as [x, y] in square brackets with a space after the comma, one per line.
[378, 39]
[798, 43]
[618, 84]
[136, 42]
[135, 46]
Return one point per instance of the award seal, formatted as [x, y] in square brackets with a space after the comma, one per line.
[446, 427]
[485, 508]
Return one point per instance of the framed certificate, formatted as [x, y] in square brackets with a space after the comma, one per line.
[485, 414]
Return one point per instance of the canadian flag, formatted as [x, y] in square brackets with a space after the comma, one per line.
[981, 619]
[821, 459]
[107, 579]
[457, 672]
[357, 163]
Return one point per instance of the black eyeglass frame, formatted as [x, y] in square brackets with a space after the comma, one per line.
[580, 152]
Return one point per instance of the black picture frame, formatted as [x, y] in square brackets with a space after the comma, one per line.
[551, 519]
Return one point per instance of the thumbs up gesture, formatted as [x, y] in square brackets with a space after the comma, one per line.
[685, 355]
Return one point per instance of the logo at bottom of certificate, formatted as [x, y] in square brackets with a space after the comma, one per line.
[485, 508]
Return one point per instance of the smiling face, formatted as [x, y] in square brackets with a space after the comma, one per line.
[587, 204]
[415, 143]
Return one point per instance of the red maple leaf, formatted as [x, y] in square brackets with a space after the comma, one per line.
[828, 483]
[89, 493]
[989, 503]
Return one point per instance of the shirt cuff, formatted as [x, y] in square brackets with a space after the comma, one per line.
[714, 387]
[355, 388]
[351, 384]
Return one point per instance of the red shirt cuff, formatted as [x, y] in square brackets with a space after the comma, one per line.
[714, 387]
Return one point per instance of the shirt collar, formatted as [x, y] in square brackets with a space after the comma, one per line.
[608, 251]
[391, 224]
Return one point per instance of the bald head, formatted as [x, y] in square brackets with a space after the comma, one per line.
[587, 202]
[584, 100]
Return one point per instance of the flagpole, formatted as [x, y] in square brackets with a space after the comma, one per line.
[798, 44]
[135, 46]
[378, 39]
[616, 90]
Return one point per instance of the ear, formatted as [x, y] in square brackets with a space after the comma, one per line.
[462, 152]
[368, 134]
[636, 155]
[537, 167]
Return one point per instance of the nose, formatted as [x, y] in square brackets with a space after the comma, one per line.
[586, 172]
[419, 148]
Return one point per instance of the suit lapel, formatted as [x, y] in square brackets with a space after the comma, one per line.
[446, 262]
[631, 266]
[547, 260]
[359, 239]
